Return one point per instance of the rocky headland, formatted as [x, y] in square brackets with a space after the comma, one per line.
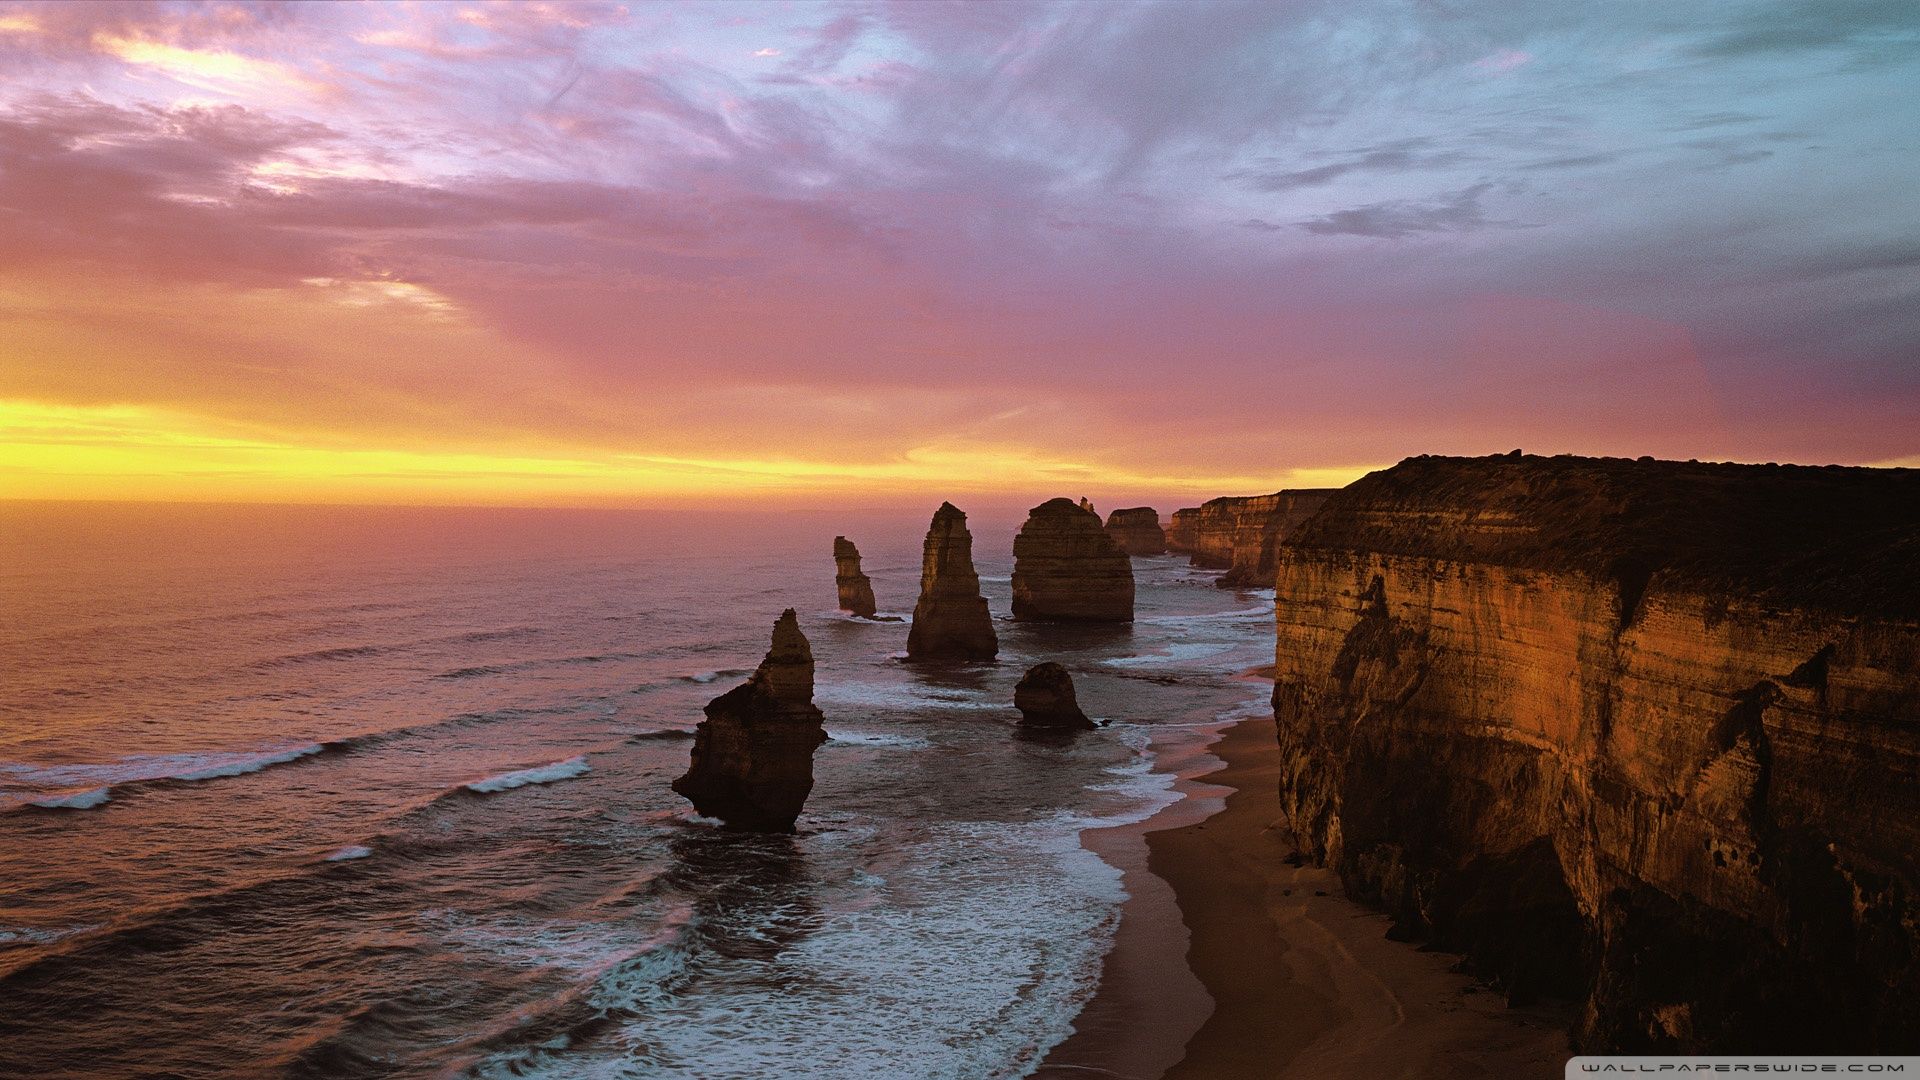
[1045, 698]
[1137, 531]
[1183, 529]
[1241, 533]
[753, 754]
[856, 590]
[1645, 733]
[1067, 568]
[950, 620]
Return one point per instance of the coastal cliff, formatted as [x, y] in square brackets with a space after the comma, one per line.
[1644, 733]
[1182, 529]
[1259, 525]
[950, 620]
[1137, 531]
[1241, 533]
[1066, 568]
[753, 755]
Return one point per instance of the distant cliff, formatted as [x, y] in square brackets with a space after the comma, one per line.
[1646, 732]
[1240, 533]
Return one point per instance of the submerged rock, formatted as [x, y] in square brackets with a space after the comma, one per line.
[856, 589]
[1045, 698]
[1137, 531]
[1067, 569]
[753, 754]
[950, 621]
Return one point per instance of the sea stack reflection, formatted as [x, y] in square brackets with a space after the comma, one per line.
[856, 589]
[950, 621]
[753, 754]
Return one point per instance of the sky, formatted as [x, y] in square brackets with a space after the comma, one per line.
[649, 254]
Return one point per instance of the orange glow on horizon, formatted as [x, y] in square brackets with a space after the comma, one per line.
[135, 453]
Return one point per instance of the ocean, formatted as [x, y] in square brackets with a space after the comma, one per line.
[353, 792]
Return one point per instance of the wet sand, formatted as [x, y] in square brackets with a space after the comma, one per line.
[1291, 979]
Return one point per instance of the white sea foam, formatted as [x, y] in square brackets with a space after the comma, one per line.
[1242, 614]
[346, 854]
[1176, 653]
[1017, 938]
[80, 800]
[541, 774]
[239, 765]
[874, 738]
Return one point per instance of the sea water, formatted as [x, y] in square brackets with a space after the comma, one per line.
[371, 793]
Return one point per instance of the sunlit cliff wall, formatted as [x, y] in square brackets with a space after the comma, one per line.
[1643, 732]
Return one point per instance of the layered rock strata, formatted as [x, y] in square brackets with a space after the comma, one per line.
[1066, 568]
[1241, 533]
[753, 754]
[1643, 732]
[950, 621]
[1183, 528]
[1137, 531]
[856, 590]
[1045, 698]
[1260, 525]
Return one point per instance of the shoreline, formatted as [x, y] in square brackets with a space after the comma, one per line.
[1229, 963]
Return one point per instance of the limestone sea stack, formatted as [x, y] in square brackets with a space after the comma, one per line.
[753, 754]
[950, 620]
[1067, 569]
[1045, 698]
[1183, 528]
[856, 591]
[1646, 732]
[1137, 531]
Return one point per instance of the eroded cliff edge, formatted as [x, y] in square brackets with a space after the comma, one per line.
[1241, 533]
[1644, 732]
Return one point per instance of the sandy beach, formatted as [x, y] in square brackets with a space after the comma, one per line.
[1229, 963]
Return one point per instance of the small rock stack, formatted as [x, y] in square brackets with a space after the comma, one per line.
[753, 754]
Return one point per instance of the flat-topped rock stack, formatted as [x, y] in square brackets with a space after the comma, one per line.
[1137, 531]
[1183, 530]
[856, 590]
[950, 620]
[753, 754]
[1066, 568]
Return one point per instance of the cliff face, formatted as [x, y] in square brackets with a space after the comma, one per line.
[856, 590]
[1137, 531]
[1646, 732]
[1183, 528]
[1260, 524]
[1241, 533]
[753, 754]
[1067, 569]
[950, 621]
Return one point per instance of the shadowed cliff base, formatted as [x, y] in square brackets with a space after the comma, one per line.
[1640, 732]
[1303, 983]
